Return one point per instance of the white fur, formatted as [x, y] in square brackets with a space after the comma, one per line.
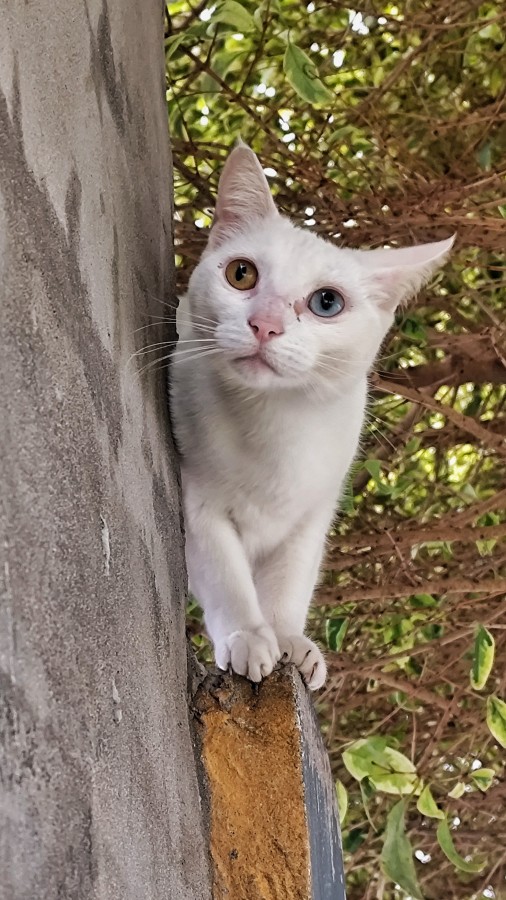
[266, 443]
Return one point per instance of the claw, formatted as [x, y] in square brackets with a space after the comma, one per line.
[308, 658]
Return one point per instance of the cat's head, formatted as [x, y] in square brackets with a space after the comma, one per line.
[288, 308]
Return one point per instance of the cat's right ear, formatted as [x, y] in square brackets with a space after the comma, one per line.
[398, 274]
[243, 195]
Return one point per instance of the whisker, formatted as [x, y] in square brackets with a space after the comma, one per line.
[204, 340]
[207, 323]
[197, 326]
[149, 349]
[187, 350]
[380, 432]
[153, 363]
[175, 361]
[170, 306]
[202, 318]
[334, 370]
[152, 325]
[190, 323]
[345, 360]
[176, 308]
[192, 340]
[386, 356]
[198, 354]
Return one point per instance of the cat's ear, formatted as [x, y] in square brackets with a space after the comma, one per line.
[243, 195]
[398, 274]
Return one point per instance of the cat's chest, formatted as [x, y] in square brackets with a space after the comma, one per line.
[269, 472]
[264, 491]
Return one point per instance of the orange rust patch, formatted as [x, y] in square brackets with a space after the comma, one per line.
[252, 755]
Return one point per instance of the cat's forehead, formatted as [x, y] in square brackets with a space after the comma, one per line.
[283, 251]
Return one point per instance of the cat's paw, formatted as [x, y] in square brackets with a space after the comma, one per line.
[252, 653]
[303, 653]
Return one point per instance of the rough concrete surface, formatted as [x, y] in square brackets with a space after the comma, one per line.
[98, 786]
[274, 821]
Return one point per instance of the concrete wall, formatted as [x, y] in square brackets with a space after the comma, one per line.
[98, 788]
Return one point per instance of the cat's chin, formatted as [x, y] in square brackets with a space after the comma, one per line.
[255, 364]
[255, 371]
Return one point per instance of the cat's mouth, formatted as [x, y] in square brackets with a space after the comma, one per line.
[255, 363]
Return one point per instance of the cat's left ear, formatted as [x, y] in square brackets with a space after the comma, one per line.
[243, 195]
[398, 274]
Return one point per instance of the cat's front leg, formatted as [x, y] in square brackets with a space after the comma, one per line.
[285, 583]
[221, 579]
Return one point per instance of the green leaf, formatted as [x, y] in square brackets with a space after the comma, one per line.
[485, 547]
[373, 467]
[342, 801]
[413, 328]
[484, 156]
[229, 61]
[447, 846]
[340, 134]
[172, 43]
[258, 17]
[496, 719]
[354, 839]
[483, 778]
[377, 75]
[303, 76]
[496, 80]
[388, 770]
[427, 806]
[397, 783]
[423, 600]
[358, 757]
[397, 854]
[492, 32]
[191, 35]
[412, 446]
[457, 791]
[483, 658]
[336, 632]
[235, 14]
[367, 791]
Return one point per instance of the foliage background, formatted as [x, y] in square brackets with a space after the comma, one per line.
[393, 130]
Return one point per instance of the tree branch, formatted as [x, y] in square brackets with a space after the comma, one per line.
[439, 586]
[379, 541]
[454, 370]
[487, 437]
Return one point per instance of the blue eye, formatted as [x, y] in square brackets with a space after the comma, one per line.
[326, 302]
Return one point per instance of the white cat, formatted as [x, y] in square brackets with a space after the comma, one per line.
[278, 331]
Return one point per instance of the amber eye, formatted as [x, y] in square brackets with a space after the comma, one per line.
[241, 274]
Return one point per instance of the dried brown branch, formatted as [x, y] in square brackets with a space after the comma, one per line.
[409, 536]
[452, 371]
[486, 437]
[438, 586]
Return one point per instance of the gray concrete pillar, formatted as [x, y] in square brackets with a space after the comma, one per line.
[98, 787]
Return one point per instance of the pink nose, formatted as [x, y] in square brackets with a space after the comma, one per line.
[265, 328]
